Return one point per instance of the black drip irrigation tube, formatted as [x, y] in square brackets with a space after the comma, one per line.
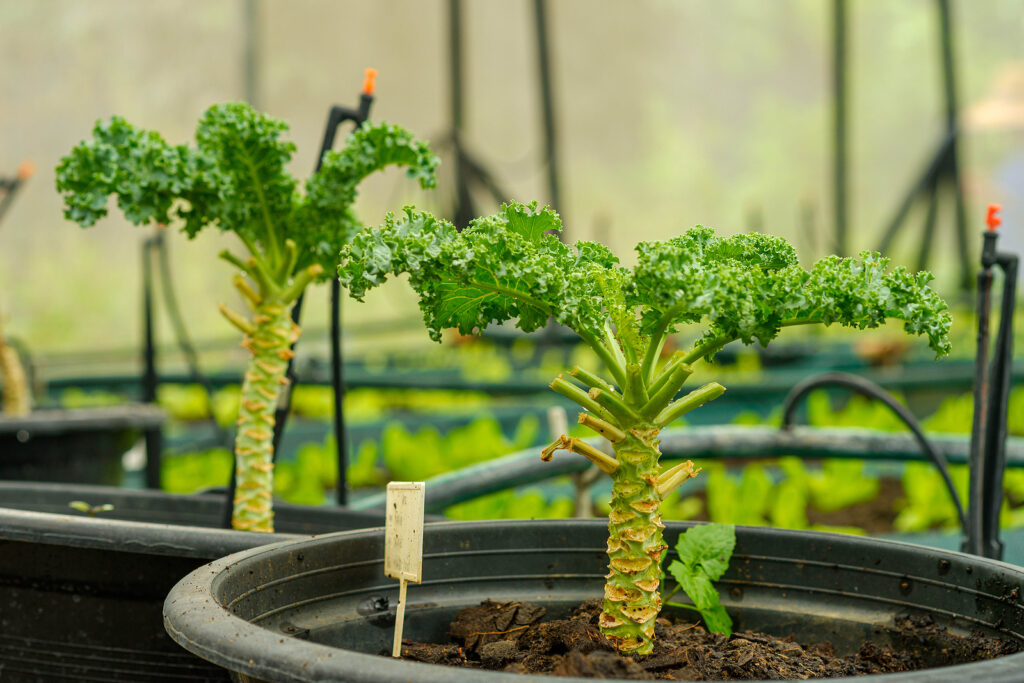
[150, 379]
[872, 390]
[222, 437]
[155, 246]
[991, 399]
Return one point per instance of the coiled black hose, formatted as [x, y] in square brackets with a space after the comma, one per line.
[872, 390]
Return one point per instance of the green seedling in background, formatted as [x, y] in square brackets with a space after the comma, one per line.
[91, 510]
[704, 553]
[235, 178]
[511, 266]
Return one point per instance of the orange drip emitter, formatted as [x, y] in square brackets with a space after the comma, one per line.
[991, 219]
[370, 81]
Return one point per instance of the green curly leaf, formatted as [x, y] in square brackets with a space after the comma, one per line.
[145, 173]
[510, 267]
[749, 287]
[504, 267]
[327, 221]
[252, 192]
[236, 178]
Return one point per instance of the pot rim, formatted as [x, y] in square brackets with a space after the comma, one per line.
[128, 536]
[194, 618]
[58, 420]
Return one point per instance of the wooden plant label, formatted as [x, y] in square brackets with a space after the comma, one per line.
[403, 544]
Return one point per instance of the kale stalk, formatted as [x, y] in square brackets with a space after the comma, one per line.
[236, 178]
[17, 397]
[748, 287]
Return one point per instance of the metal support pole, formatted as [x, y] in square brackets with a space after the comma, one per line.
[839, 161]
[464, 209]
[250, 59]
[548, 109]
[928, 235]
[929, 176]
[942, 169]
[952, 168]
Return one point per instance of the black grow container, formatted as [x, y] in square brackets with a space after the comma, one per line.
[81, 597]
[82, 446]
[311, 610]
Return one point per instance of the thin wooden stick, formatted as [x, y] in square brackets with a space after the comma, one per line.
[396, 650]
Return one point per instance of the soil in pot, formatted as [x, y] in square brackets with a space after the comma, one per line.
[514, 637]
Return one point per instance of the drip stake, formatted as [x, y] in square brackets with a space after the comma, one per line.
[991, 393]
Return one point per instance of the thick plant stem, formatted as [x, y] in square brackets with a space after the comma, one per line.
[272, 336]
[632, 599]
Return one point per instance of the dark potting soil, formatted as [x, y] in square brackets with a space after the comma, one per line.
[513, 637]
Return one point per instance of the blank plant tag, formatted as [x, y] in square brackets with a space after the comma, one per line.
[403, 533]
[403, 544]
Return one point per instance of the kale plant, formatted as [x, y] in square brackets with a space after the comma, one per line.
[235, 178]
[510, 266]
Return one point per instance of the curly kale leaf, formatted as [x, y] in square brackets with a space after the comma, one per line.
[510, 267]
[236, 178]
[253, 192]
[327, 221]
[749, 287]
[146, 174]
[503, 267]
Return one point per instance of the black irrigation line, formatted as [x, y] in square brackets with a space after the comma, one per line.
[156, 247]
[872, 390]
[150, 379]
[184, 342]
[336, 116]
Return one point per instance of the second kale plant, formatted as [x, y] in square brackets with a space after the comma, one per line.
[235, 179]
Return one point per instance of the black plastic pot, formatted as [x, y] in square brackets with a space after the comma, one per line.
[83, 446]
[316, 610]
[80, 597]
